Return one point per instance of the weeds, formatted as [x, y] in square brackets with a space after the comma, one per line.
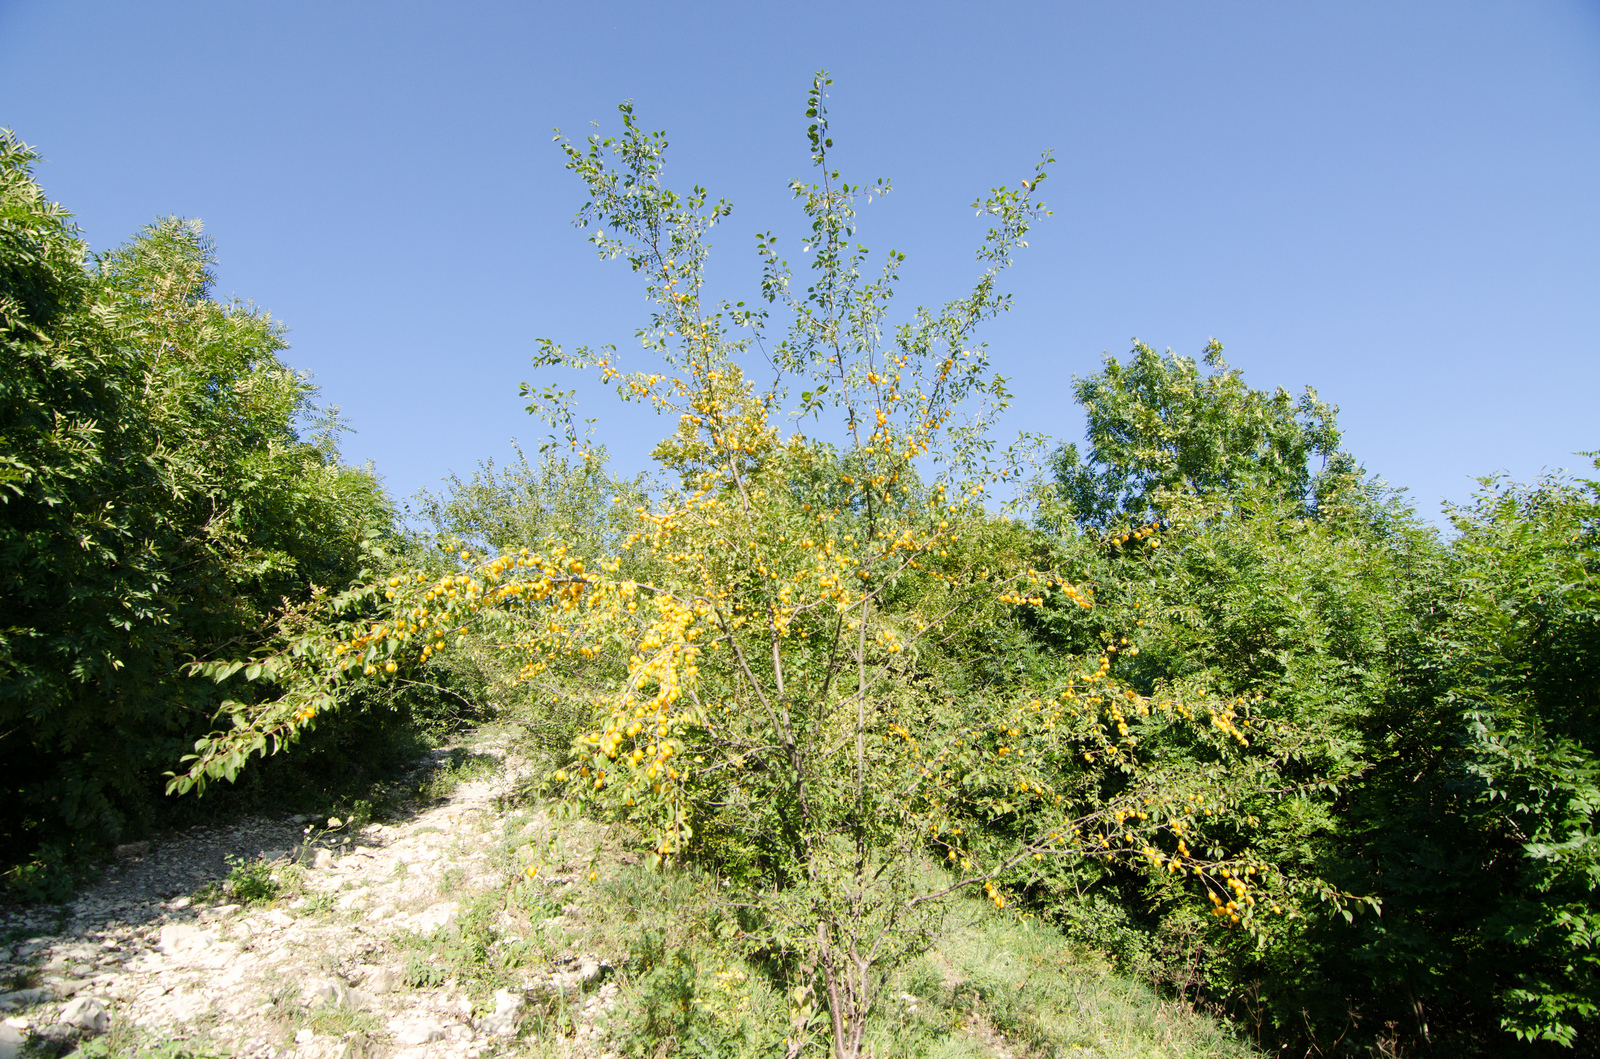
[477, 949]
[343, 1022]
[127, 1042]
[692, 981]
[424, 972]
[461, 766]
[252, 882]
[996, 976]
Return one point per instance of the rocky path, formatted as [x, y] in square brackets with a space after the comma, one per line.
[321, 946]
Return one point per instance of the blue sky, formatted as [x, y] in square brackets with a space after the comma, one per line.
[1395, 203]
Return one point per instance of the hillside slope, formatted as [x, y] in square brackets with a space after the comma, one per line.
[477, 924]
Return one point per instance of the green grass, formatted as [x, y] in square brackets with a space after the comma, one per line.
[1001, 978]
[691, 982]
[484, 948]
[344, 1022]
[131, 1042]
[461, 766]
[993, 985]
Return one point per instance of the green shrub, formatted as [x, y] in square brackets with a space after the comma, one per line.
[158, 504]
[1446, 690]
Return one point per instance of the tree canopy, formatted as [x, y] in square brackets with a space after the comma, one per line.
[159, 504]
[1157, 423]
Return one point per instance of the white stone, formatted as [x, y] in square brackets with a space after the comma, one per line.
[88, 1014]
[182, 937]
[335, 994]
[11, 1042]
[412, 1032]
[184, 1007]
[383, 980]
[304, 1036]
[507, 1013]
[23, 998]
[434, 916]
[322, 860]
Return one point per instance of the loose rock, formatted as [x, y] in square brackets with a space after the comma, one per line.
[181, 937]
[412, 1032]
[335, 994]
[87, 1014]
[507, 1014]
[382, 981]
[153, 948]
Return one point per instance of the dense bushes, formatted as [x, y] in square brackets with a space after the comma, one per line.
[1224, 708]
[159, 506]
[1450, 686]
[791, 661]
[1442, 791]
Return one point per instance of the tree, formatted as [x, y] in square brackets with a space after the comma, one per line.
[1156, 423]
[155, 499]
[1446, 771]
[1480, 827]
[789, 667]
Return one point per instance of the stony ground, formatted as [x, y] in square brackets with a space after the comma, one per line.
[457, 928]
[317, 947]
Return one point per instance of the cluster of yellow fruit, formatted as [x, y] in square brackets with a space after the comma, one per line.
[747, 575]
[994, 893]
[1147, 533]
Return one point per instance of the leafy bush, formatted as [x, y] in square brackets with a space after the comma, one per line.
[158, 504]
[793, 663]
[1446, 692]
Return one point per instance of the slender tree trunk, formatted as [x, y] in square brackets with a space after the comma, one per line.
[837, 991]
[847, 979]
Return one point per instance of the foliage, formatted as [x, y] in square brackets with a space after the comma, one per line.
[788, 666]
[155, 496]
[554, 500]
[1481, 825]
[558, 499]
[1444, 690]
[1257, 600]
[1156, 423]
[251, 882]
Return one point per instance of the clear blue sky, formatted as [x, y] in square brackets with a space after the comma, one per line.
[1396, 203]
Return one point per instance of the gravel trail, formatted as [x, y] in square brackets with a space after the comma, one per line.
[160, 951]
